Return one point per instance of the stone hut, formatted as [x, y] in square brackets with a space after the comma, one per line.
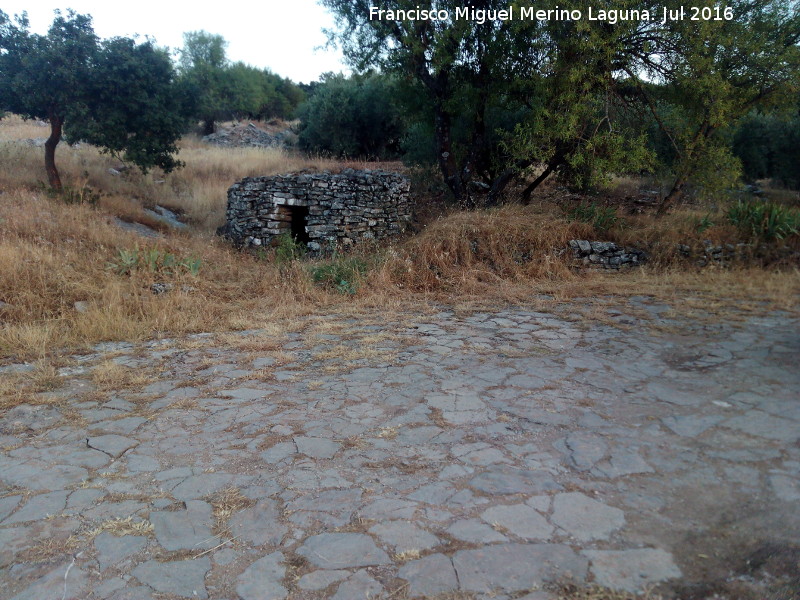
[325, 211]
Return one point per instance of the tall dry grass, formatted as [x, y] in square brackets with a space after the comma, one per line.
[54, 255]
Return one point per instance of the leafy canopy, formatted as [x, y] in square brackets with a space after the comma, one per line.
[118, 94]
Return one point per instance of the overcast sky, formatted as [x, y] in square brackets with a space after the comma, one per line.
[279, 34]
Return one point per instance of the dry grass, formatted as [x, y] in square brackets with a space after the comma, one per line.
[109, 375]
[120, 527]
[53, 255]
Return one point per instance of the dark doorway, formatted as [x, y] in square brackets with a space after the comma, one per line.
[298, 223]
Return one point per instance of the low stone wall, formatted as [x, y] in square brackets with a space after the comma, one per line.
[606, 254]
[326, 211]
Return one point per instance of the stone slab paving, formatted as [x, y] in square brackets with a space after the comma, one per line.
[488, 453]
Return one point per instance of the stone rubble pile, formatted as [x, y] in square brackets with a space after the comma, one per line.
[249, 136]
[607, 255]
[337, 210]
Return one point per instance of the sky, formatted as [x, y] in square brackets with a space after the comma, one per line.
[282, 35]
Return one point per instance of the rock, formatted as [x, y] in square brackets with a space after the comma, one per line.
[342, 551]
[81, 306]
[429, 576]
[517, 567]
[521, 520]
[404, 536]
[188, 529]
[40, 507]
[184, 578]
[112, 549]
[472, 530]
[67, 581]
[259, 524]
[360, 585]
[316, 447]
[319, 580]
[585, 519]
[631, 570]
[112, 444]
[262, 579]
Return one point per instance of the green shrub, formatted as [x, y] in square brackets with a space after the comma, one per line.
[602, 218]
[153, 260]
[288, 249]
[343, 275]
[766, 221]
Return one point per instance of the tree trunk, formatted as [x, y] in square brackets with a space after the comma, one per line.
[551, 166]
[53, 178]
[674, 195]
[447, 162]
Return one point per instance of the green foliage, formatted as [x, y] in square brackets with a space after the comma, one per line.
[342, 274]
[701, 225]
[153, 261]
[766, 221]
[353, 116]
[231, 90]
[288, 249]
[768, 145]
[117, 94]
[602, 218]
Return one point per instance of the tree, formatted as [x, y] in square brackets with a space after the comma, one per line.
[202, 65]
[352, 116]
[116, 94]
[719, 71]
[224, 89]
[553, 80]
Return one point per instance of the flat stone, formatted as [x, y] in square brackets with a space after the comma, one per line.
[631, 570]
[113, 445]
[107, 587]
[319, 580]
[55, 477]
[513, 481]
[691, 425]
[586, 449]
[360, 585]
[262, 580]
[389, 508]
[184, 578]
[472, 530]
[67, 581]
[40, 507]
[198, 486]
[761, 424]
[316, 447]
[404, 536]
[343, 551]
[245, 394]
[33, 418]
[125, 425]
[517, 567]
[785, 488]
[139, 463]
[188, 529]
[521, 520]
[112, 549]
[428, 576]
[259, 524]
[7, 505]
[132, 593]
[585, 519]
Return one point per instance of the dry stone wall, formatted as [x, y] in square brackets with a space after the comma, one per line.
[324, 210]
